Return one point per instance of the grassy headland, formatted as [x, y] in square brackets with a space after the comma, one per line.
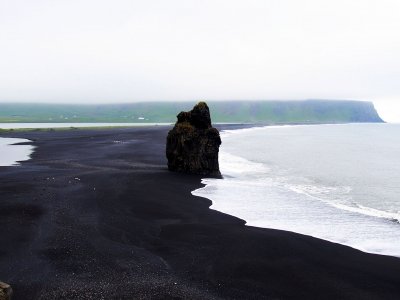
[308, 111]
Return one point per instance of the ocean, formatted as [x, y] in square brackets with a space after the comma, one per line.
[11, 153]
[335, 182]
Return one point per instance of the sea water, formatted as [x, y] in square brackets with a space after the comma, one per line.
[336, 182]
[11, 153]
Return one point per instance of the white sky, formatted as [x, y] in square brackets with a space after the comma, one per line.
[89, 51]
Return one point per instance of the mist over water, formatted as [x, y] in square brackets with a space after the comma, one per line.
[336, 182]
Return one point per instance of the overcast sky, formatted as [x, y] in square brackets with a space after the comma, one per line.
[90, 51]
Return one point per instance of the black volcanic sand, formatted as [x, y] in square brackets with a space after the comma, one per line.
[96, 215]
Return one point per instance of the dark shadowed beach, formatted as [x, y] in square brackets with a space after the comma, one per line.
[95, 214]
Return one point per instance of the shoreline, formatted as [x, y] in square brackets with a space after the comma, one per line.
[381, 239]
[22, 151]
[90, 217]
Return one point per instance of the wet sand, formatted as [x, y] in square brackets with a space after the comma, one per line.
[96, 215]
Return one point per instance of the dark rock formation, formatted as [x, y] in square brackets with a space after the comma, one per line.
[5, 291]
[193, 144]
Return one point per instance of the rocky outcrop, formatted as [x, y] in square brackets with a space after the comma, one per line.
[5, 291]
[193, 144]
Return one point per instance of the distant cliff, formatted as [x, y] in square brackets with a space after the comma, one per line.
[308, 111]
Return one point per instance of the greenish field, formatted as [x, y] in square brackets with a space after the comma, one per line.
[309, 111]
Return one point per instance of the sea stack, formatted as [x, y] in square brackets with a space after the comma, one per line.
[5, 291]
[193, 144]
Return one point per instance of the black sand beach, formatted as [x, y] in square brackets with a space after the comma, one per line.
[96, 215]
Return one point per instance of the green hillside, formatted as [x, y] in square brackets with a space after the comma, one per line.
[309, 111]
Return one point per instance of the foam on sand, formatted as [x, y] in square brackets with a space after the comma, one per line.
[11, 153]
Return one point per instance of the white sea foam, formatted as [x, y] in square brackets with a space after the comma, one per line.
[271, 187]
[368, 211]
[323, 194]
[232, 164]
